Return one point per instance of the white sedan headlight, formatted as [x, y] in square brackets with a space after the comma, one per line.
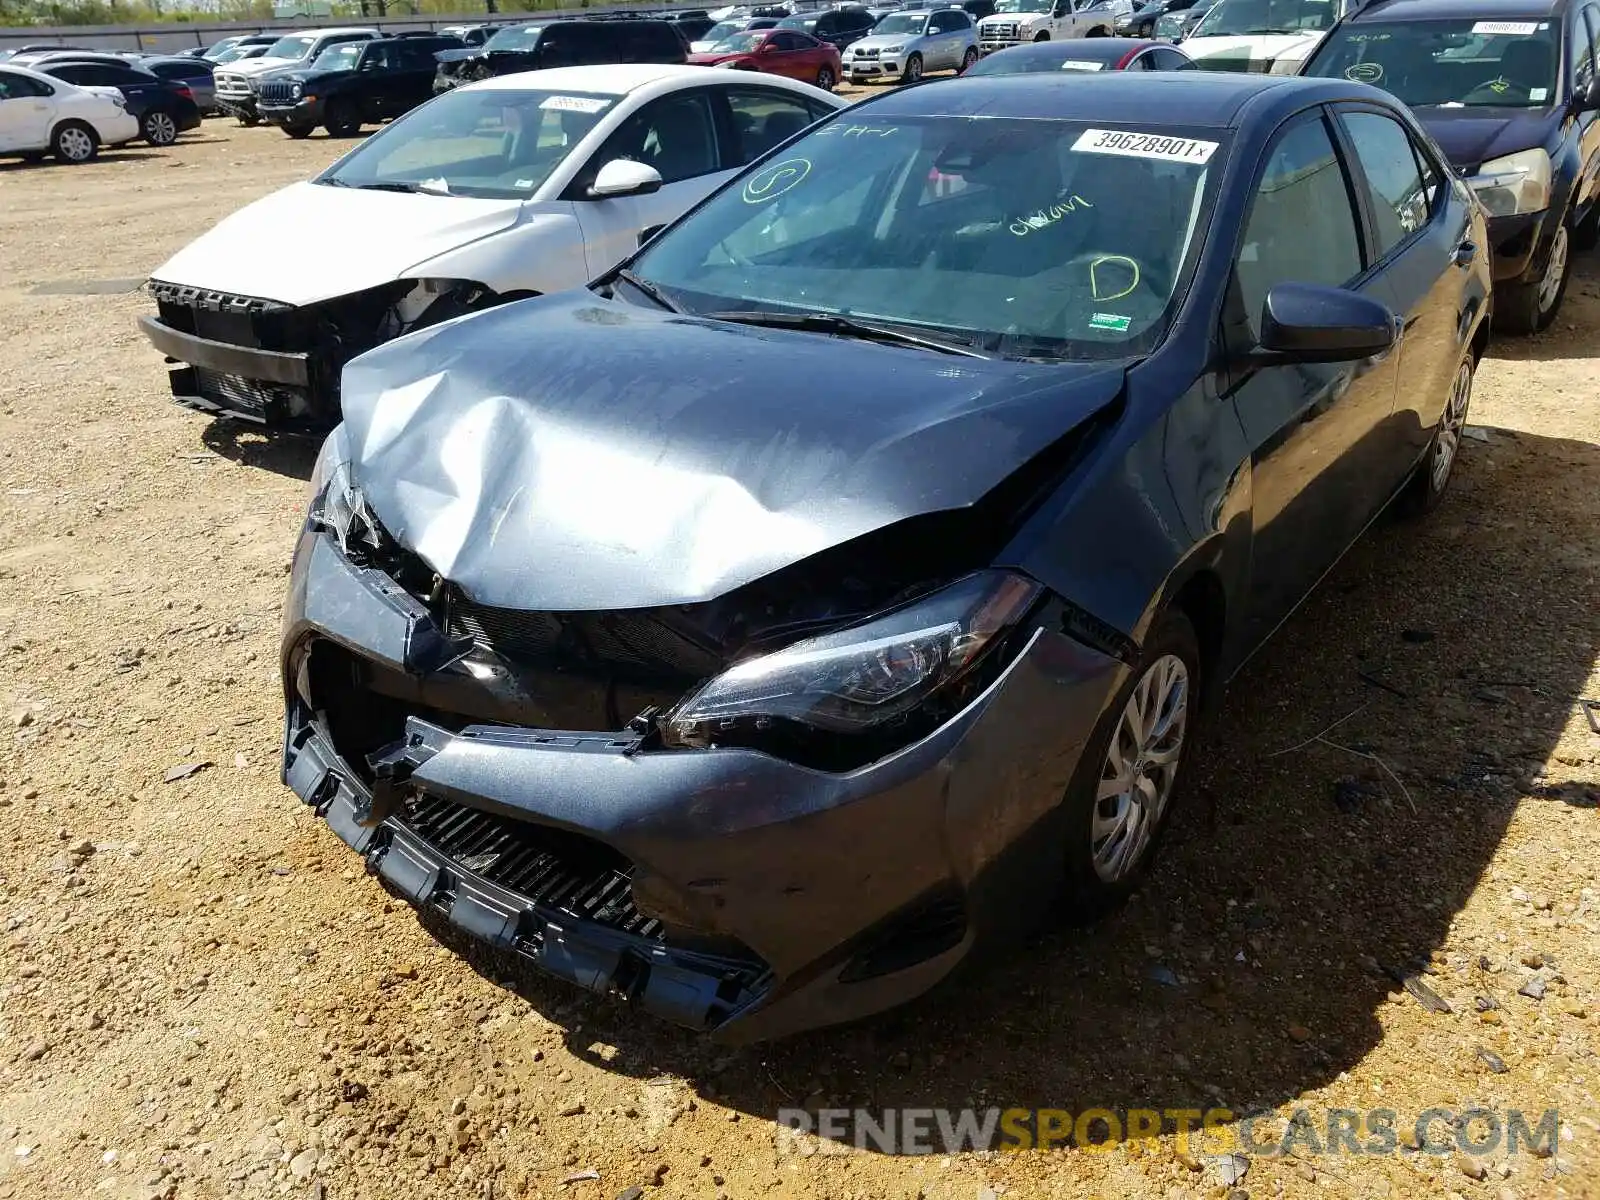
[1517, 183]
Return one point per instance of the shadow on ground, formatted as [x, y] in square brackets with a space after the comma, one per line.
[1580, 312]
[288, 454]
[1461, 643]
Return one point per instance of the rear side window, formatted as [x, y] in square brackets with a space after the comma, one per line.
[574, 45]
[1302, 224]
[15, 87]
[1394, 180]
[674, 135]
[762, 118]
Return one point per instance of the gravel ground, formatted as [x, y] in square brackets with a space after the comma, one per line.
[201, 994]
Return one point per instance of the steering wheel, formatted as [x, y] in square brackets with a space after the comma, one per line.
[1108, 276]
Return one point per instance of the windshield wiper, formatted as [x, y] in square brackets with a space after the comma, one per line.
[649, 289]
[849, 327]
[379, 186]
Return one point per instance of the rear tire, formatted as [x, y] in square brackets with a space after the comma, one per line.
[74, 142]
[1427, 485]
[1043, 37]
[1112, 839]
[1098, 31]
[158, 128]
[1531, 307]
[826, 78]
[343, 119]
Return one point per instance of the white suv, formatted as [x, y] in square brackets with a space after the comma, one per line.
[236, 83]
[495, 191]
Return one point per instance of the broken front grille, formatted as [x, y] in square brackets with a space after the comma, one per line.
[553, 868]
[632, 642]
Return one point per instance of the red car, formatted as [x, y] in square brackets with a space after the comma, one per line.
[777, 52]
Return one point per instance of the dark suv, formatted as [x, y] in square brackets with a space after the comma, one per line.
[164, 108]
[352, 85]
[578, 43]
[1508, 89]
[836, 26]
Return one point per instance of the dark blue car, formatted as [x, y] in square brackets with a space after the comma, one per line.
[837, 583]
[1508, 90]
[164, 107]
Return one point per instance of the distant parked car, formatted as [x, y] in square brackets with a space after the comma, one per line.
[356, 84]
[495, 191]
[240, 54]
[196, 73]
[561, 44]
[236, 93]
[28, 49]
[471, 35]
[1142, 19]
[163, 108]
[1085, 54]
[906, 44]
[42, 115]
[216, 50]
[786, 52]
[1176, 23]
[723, 30]
[1273, 36]
[837, 26]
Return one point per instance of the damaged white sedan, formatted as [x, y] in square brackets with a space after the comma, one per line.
[501, 190]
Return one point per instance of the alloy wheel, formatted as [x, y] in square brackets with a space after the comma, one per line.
[160, 129]
[825, 79]
[1448, 440]
[1555, 270]
[76, 145]
[967, 60]
[914, 69]
[1140, 768]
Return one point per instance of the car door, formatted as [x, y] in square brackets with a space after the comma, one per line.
[783, 54]
[1313, 428]
[951, 26]
[26, 110]
[1422, 247]
[1589, 121]
[675, 134]
[414, 76]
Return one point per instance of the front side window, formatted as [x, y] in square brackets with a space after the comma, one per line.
[1585, 44]
[339, 58]
[1452, 63]
[674, 135]
[1240, 18]
[744, 43]
[18, 87]
[1394, 180]
[1031, 238]
[763, 119]
[1302, 226]
[497, 144]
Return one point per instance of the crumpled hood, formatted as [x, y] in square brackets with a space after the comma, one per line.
[573, 453]
[343, 240]
[1471, 137]
[1256, 48]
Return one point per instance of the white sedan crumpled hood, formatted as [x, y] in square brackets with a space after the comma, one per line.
[1256, 47]
[310, 242]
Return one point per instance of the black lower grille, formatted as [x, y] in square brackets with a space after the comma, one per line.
[250, 396]
[553, 868]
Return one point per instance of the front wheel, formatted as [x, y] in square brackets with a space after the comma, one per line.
[1426, 488]
[159, 128]
[1043, 37]
[1117, 805]
[74, 142]
[343, 119]
[826, 78]
[913, 71]
[968, 59]
[1531, 307]
[1098, 31]
[298, 131]
[249, 122]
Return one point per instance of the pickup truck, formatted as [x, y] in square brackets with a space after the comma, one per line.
[1015, 22]
[236, 82]
[351, 85]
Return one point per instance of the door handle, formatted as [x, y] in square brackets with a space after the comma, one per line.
[1464, 254]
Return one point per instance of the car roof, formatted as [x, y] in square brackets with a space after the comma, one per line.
[1100, 49]
[1437, 10]
[1195, 98]
[610, 79]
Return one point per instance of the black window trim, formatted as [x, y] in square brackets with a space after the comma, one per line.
[1376, 259]
[577, 189]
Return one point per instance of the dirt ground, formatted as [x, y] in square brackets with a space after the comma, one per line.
[202, 994]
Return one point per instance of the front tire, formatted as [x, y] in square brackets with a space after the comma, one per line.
[74, 142]
[299, 132]
[159, 128]
[1531, 307]
[1116, 808]
[913, 70]
[967, 61]
[248, 122]
[826, 78]
[1427, 485]
[1043, 37]
[343, 119]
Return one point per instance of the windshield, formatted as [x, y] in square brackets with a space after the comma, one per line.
[719, 32]
[1489, 64]
[911, 23]
[339, 58]
[1030, 238]
[236, 52]
[291, 47]
[1019, 6]
[497, 144]
[1232, 18]
[742, 43]
[518, 37]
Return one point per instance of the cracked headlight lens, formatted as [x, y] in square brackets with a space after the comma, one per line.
[867, 676]
[1517, 183]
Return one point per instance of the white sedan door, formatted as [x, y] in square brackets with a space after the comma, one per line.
[676, 135]
[25, 111]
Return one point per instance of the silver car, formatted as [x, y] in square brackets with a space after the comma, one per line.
[906, 44]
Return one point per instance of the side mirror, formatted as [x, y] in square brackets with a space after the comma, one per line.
[1302, 322]
[624, 177]
[648, 232]
[766, 48]
[1589, 99]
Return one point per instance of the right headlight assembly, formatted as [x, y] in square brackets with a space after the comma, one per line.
[1518, 183]
[888, 680]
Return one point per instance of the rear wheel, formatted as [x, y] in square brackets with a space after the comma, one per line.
[1427, 486]
[967, 59]
[826, 78]
[159, 128]
[1098, 31]
[344, 120]
[1531, 307]
[74, 142]
[1043, 37]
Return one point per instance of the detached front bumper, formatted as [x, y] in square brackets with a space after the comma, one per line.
[726, 890]
[1518, 247]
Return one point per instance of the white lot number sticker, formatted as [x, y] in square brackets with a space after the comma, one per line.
[1077, 64]
[583, 104]
[1144, 145]
[1512, 28]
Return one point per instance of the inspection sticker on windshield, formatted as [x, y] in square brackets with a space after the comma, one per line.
[1112, 321]
[1513, 28]
[583, 104]
[1144, 145]
[1078, 64]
